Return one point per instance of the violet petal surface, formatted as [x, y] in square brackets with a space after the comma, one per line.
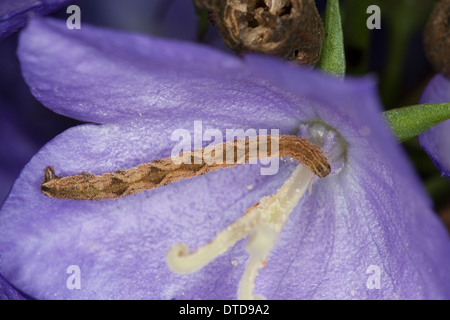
[372, 213]
[436, 141]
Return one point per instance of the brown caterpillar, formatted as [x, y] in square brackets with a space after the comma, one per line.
[160, 172]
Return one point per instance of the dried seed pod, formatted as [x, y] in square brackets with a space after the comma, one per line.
[291, 29]
[437, 37]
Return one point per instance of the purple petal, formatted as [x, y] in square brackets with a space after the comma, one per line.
[15, 13]
[107, 76]
[120, 245]
[373, 213]
[436, 141]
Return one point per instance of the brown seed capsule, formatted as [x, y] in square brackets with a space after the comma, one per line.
[291, 29]
[437, 37]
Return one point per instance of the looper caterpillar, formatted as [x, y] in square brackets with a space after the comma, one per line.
[161, 172]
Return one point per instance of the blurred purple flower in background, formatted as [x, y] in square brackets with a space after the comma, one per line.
[25, 125]
[7, 292]
[15, 13]
[16, 148]
[436, 141]
[17, 141]
[370, 214]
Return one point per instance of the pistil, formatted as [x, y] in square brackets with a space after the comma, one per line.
[262, 223]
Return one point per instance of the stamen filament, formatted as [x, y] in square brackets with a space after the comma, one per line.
[274, 211]
[247, 283]
[262, 222]
[259, 245]
[180, 261]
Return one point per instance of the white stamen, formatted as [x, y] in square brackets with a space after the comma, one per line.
[180, 261]
[247, 283]
[263, 222]
[259, 245]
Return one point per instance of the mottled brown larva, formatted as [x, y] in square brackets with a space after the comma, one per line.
[160, 172]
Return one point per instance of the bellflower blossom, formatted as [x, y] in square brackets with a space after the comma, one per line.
[436, 141]
[369, 218]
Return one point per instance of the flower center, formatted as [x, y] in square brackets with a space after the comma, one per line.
[262, 222]
[331, 143]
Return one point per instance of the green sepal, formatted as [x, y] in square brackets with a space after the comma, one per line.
[408, 122]
[332, 59]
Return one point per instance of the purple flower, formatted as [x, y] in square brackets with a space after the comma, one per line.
[436, 141]
[366, 231]
[15, 13]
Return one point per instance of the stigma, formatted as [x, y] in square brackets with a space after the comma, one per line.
[261, 223]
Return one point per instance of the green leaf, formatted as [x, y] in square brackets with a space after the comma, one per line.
[332, 59]
[408, 122]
